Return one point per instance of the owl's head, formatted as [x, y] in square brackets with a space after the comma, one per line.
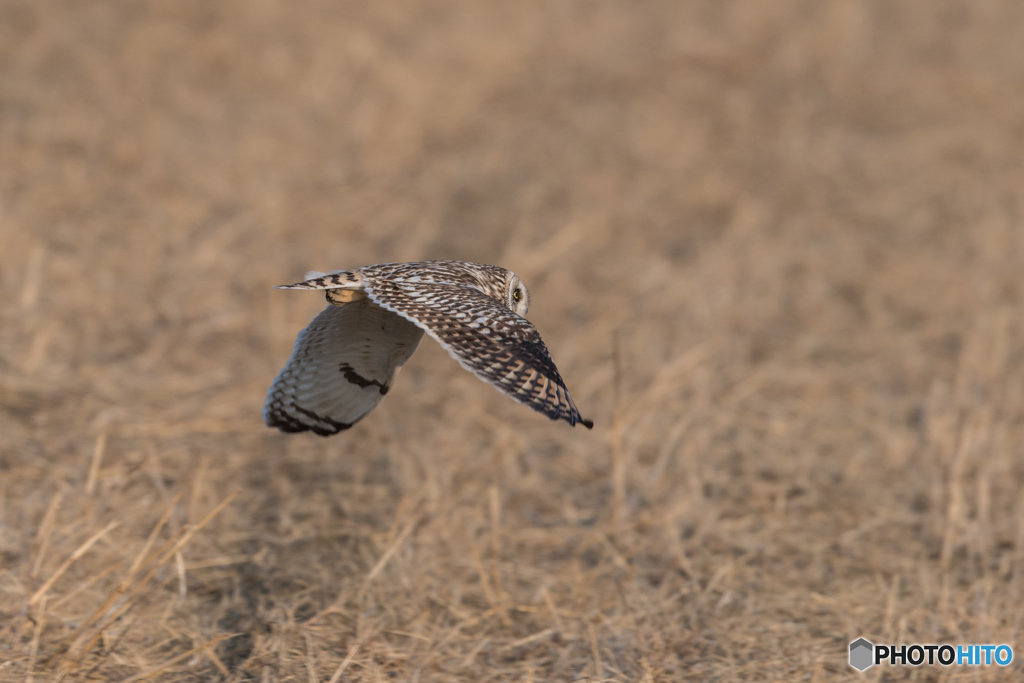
[517, 298]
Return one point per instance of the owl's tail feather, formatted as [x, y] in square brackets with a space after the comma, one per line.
[339, 279]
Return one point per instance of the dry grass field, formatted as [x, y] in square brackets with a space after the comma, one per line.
[776, 249]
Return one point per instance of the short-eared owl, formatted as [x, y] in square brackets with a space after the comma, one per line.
[348, 357]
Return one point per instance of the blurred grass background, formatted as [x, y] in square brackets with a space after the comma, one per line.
[775, 249]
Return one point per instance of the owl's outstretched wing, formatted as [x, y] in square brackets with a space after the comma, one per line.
[488, 339]
[343, 364]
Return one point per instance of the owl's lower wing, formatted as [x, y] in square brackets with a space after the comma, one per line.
[486, 338]
[343, 364]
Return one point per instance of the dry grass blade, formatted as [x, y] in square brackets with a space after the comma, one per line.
[310, 664]
[540, 635]
[466, 623]
[391, 550]
[97, 459]
[598, 668]
[189, 532]
[45, 529]
[554, 610]
[499, 592]
[33, 277]
[485, 582]
[37, 632]
[81, 550]
[87, 583]
[471, 655]
[174, 660]
[109, 649]
[140, 557]
[219, 561]
[179, 565]
[344, 664]
[212, 656]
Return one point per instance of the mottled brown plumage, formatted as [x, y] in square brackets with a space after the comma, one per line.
[347, 358]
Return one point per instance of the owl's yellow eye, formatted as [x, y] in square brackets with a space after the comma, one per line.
[515, 295]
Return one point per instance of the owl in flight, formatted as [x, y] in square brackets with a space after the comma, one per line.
[347, 359]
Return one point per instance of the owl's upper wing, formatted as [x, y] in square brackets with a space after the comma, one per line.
[342, 365]
[488, 339]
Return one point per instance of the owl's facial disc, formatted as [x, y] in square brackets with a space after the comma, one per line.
[518, 297]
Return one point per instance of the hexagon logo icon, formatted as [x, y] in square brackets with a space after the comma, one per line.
[861, 652]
